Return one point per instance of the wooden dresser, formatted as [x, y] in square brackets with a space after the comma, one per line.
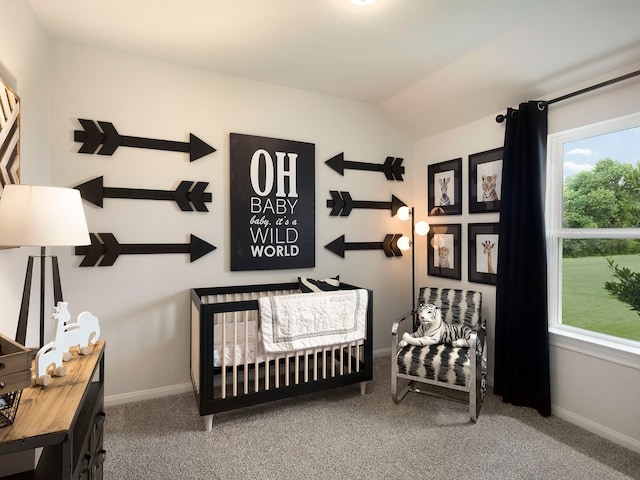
[65, 419]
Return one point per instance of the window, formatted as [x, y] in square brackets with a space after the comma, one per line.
[593, 213]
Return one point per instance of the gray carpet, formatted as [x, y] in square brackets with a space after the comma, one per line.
[340, 434]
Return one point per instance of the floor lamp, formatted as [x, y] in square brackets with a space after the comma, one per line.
[42, 217]
[404, 243]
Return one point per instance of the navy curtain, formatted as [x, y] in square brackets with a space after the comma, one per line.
[521, 374]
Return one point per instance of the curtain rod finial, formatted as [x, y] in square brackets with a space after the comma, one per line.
[500, 118]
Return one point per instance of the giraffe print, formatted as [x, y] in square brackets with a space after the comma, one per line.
[487, 249]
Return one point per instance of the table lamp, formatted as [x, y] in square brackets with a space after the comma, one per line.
[41, 216]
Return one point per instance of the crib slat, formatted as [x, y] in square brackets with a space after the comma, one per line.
[315, 364]
[266, 371]
[234, 359]
[223, 360]
[306, 367]
[287, 373]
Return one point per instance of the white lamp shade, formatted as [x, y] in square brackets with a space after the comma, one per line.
[42, 216]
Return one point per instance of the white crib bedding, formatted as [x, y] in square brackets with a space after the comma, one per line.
[240, 344]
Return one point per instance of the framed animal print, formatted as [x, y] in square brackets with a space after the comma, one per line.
[485, 181]
[483, 252]
[444, 251]
[444, 187]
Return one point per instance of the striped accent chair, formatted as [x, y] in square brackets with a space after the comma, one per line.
[458, 368]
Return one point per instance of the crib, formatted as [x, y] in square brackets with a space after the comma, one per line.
[229, 369]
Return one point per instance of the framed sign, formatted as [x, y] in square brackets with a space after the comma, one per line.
[272, 203]
[483, 252]
[443, 251]
[485, 181]
[444, 185]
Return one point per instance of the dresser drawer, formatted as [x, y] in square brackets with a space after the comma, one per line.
[15, 366]
[15, 381]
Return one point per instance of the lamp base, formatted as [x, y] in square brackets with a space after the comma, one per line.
[21, 331]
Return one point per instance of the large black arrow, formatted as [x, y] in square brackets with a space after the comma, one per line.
[389, 245]
[99, 133]
[341, 204]
[392, 166]
[94, 191]
[106, 246]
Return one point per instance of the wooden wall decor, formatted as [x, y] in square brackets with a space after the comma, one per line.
[105, 246]
[392, 166]
[104, 135]
[341, 204]
[185, 196]
[389, 245]
[272, 203]
[9, 136]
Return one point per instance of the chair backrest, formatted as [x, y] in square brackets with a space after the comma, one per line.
[458, 306]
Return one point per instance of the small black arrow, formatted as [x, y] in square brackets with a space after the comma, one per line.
[106, 246]
[99, 133]
[95, 192]
[341, 204]
[392, 166]
[389, 245]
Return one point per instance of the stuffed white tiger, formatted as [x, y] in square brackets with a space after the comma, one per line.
[433, 330]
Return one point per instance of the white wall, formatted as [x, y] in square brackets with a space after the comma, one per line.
[598, 392]
[475, 137]
[142, 300]
[25, 67]
[597, 388]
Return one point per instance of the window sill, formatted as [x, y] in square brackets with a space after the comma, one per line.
[572, 339]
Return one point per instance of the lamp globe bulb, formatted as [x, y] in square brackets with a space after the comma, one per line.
[404, 243]
[422, 228]
[404, 213]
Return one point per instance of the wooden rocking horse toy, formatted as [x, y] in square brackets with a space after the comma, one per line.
[81, 334]
[51, 353]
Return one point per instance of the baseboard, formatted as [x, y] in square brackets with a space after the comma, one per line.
[147, 394]
[383, 352]
[600, 430]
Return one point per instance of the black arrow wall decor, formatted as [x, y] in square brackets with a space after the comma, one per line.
[389, 245]
[341, 204]
[186, 197]
[99, 133]
[106, 246]
[392, 166]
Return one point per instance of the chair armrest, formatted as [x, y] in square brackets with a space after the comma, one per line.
[400, 319]
[474, 346]
[394, 331]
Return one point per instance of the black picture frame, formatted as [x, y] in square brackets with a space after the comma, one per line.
[485, 165]
[444, 187]
[484, 242]
[438, 238]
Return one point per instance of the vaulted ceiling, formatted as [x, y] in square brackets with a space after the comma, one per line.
[430, 65]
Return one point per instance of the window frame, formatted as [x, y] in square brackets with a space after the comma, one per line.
[619, 350]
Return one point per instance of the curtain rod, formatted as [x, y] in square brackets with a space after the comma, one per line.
[500, 118]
